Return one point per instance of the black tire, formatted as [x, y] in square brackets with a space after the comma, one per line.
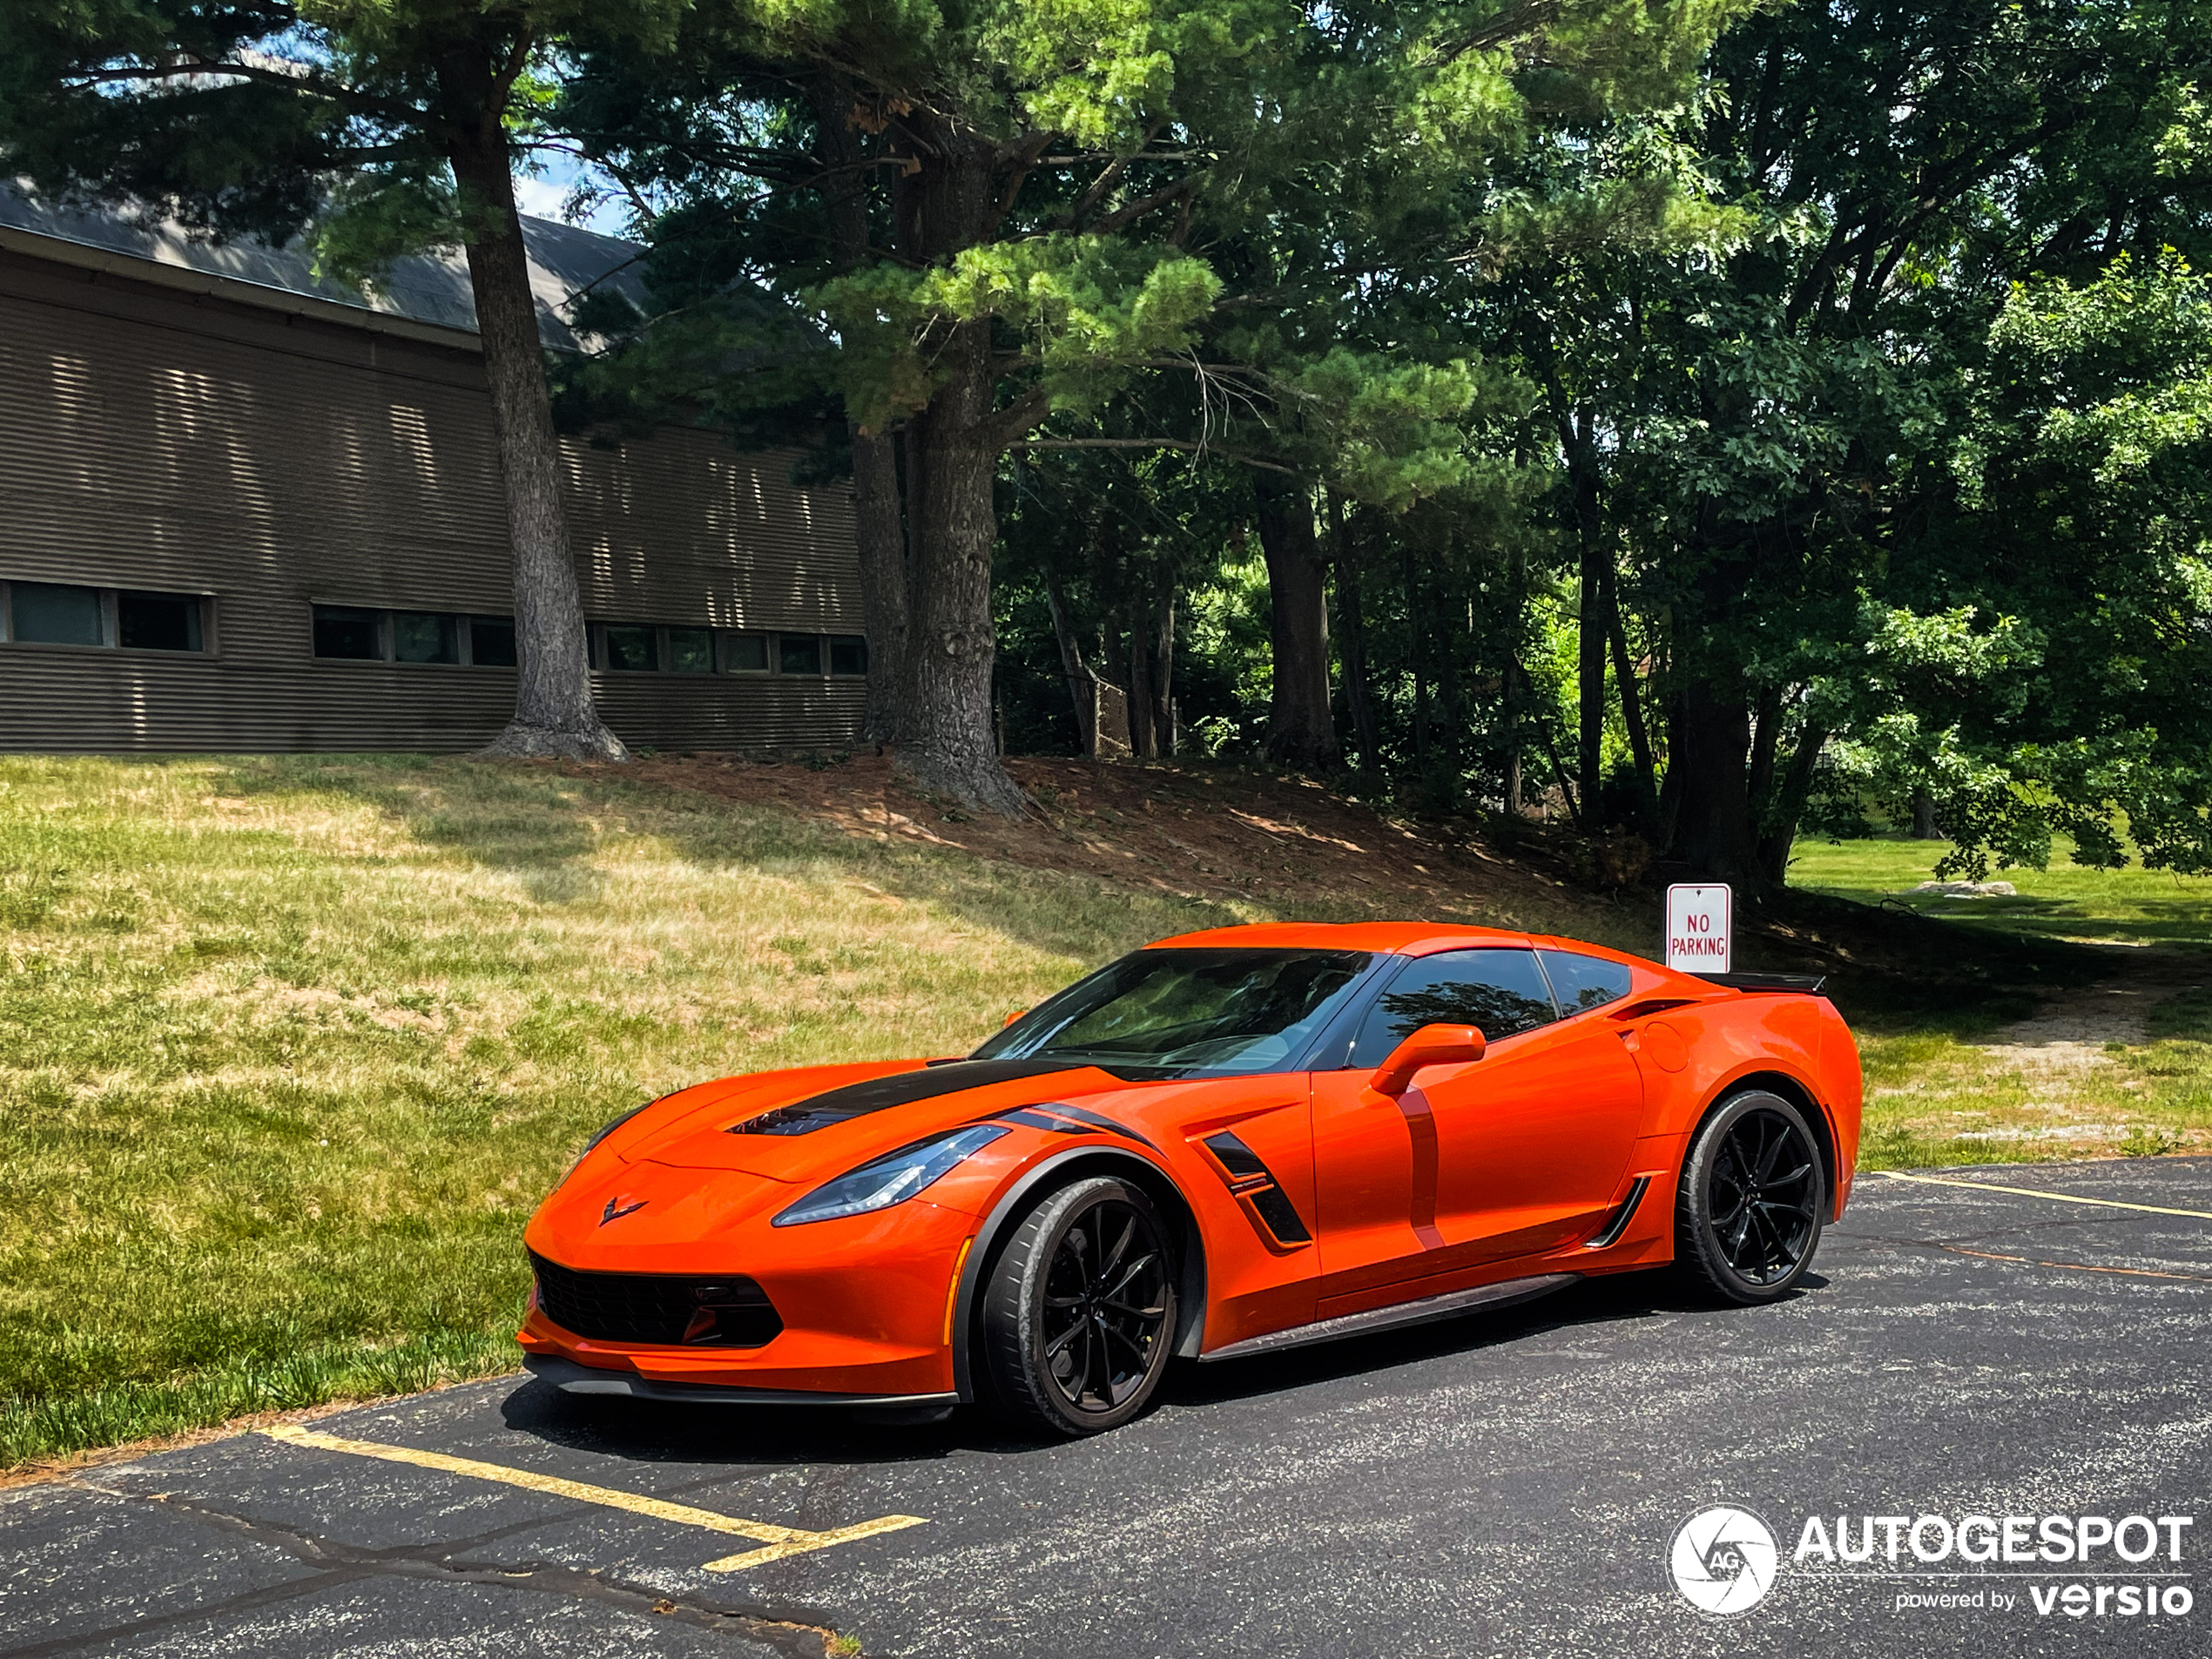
[1748, 1213]
[1079, 1311]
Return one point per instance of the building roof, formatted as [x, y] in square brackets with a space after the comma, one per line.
[422, 293]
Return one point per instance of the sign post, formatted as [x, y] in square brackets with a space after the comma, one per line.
[1701, 928]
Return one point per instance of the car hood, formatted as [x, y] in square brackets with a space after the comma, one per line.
[817, 1124]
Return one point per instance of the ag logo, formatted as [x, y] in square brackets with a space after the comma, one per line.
[1723, 1560]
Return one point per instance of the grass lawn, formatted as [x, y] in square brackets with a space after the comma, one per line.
[2119, 1065]
[293, 1046]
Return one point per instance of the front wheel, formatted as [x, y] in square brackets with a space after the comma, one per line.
[1079, 1313]
[1747, 1215]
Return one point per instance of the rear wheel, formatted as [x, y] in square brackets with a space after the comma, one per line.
[1079, 1312]
[1747, 1215]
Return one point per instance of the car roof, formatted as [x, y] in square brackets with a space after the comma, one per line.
[1402, 938]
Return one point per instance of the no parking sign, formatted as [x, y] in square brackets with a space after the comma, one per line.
[1700, 928]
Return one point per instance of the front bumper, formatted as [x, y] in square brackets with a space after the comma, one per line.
[864, 1304]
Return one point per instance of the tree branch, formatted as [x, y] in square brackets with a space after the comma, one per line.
[1183, 444]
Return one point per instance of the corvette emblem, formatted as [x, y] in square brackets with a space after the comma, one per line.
[610, 1213]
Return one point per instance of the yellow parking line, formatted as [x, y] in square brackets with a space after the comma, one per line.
[2062, 1198]
[780, 1541]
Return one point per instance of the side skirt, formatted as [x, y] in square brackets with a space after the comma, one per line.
[1429, 1308]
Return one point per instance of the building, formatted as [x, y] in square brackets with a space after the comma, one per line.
[242, 508]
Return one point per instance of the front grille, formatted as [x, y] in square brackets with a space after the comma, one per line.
[722, 1310]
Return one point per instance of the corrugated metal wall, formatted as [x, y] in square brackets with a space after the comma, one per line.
[152, 439]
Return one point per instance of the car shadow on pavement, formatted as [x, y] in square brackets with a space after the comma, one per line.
[1611, 1300]
[740, 1437]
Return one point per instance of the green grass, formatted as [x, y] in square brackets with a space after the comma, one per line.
[1949, 1079]
[2133, 905]
[293, 1046]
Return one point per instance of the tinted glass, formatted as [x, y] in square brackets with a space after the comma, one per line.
[1501, 993]
[48, 614]
[491, 641]
[630, 648]
[1188, 1013]
[690, 651]
[746, 653]
[800, 654]
[157, 621]
[425, 636]
[340, 631]
[849, 654]
[1583, 982]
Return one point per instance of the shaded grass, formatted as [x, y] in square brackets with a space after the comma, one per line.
[2067, 901]
[1936, 1095]
[294, 1045]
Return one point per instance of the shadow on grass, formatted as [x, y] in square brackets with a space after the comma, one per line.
[547, 826]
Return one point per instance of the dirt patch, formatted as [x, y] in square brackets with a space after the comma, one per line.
[1196, 831]
[2067, 1037]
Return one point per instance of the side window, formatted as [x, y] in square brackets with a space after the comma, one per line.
[1501, 993]
[1583, 982]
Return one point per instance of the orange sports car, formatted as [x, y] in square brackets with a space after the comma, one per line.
[1225, 1143]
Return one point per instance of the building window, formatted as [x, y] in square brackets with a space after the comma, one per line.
[158, 621]
[46, 613]
[345, 632]
[627, 649]
[690, 651]
[800, 654]
[491, 642]
[849, 654]
[58, 613]
[425, 636]
[745, 653]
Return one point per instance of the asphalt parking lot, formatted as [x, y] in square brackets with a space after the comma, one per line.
[1509, 1484]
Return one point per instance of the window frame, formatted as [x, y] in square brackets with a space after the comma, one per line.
[108, 597]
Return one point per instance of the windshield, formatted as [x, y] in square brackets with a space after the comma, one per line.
[1188, 1013]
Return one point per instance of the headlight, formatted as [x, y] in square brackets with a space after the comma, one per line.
[891, 1179]
[604, 1129]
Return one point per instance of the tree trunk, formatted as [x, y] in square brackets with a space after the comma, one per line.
[1351, 644]
[1164, 676]
[1081, 692]
[1140, 684]
[1624, 676]
[1516, 743]
[1923, 815]
[945, 745]
[1301, 729]
[878, 517]
[1417, 654]
[1790, 805]
[554, 714]
[1713, 830]
[879, 532]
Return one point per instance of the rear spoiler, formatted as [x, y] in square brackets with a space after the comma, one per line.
[1808, 984]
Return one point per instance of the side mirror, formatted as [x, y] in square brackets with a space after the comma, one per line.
[1012, 1017]
[1433, 1045]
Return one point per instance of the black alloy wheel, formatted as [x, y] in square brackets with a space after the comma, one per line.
[1079, 1314]
[1748, 1214]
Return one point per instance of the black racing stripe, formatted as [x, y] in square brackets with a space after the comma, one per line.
[900, 1089]
[1081, 1116]
[1028, 1117]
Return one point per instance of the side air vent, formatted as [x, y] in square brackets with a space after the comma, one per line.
[1251, 1180]
[1617, 1223]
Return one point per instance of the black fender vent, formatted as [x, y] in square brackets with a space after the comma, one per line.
[1251, 1180]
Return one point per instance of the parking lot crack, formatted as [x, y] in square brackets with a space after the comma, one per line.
[340, 1562]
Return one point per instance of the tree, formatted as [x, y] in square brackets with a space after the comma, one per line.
[996, 219]
[381, 127]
